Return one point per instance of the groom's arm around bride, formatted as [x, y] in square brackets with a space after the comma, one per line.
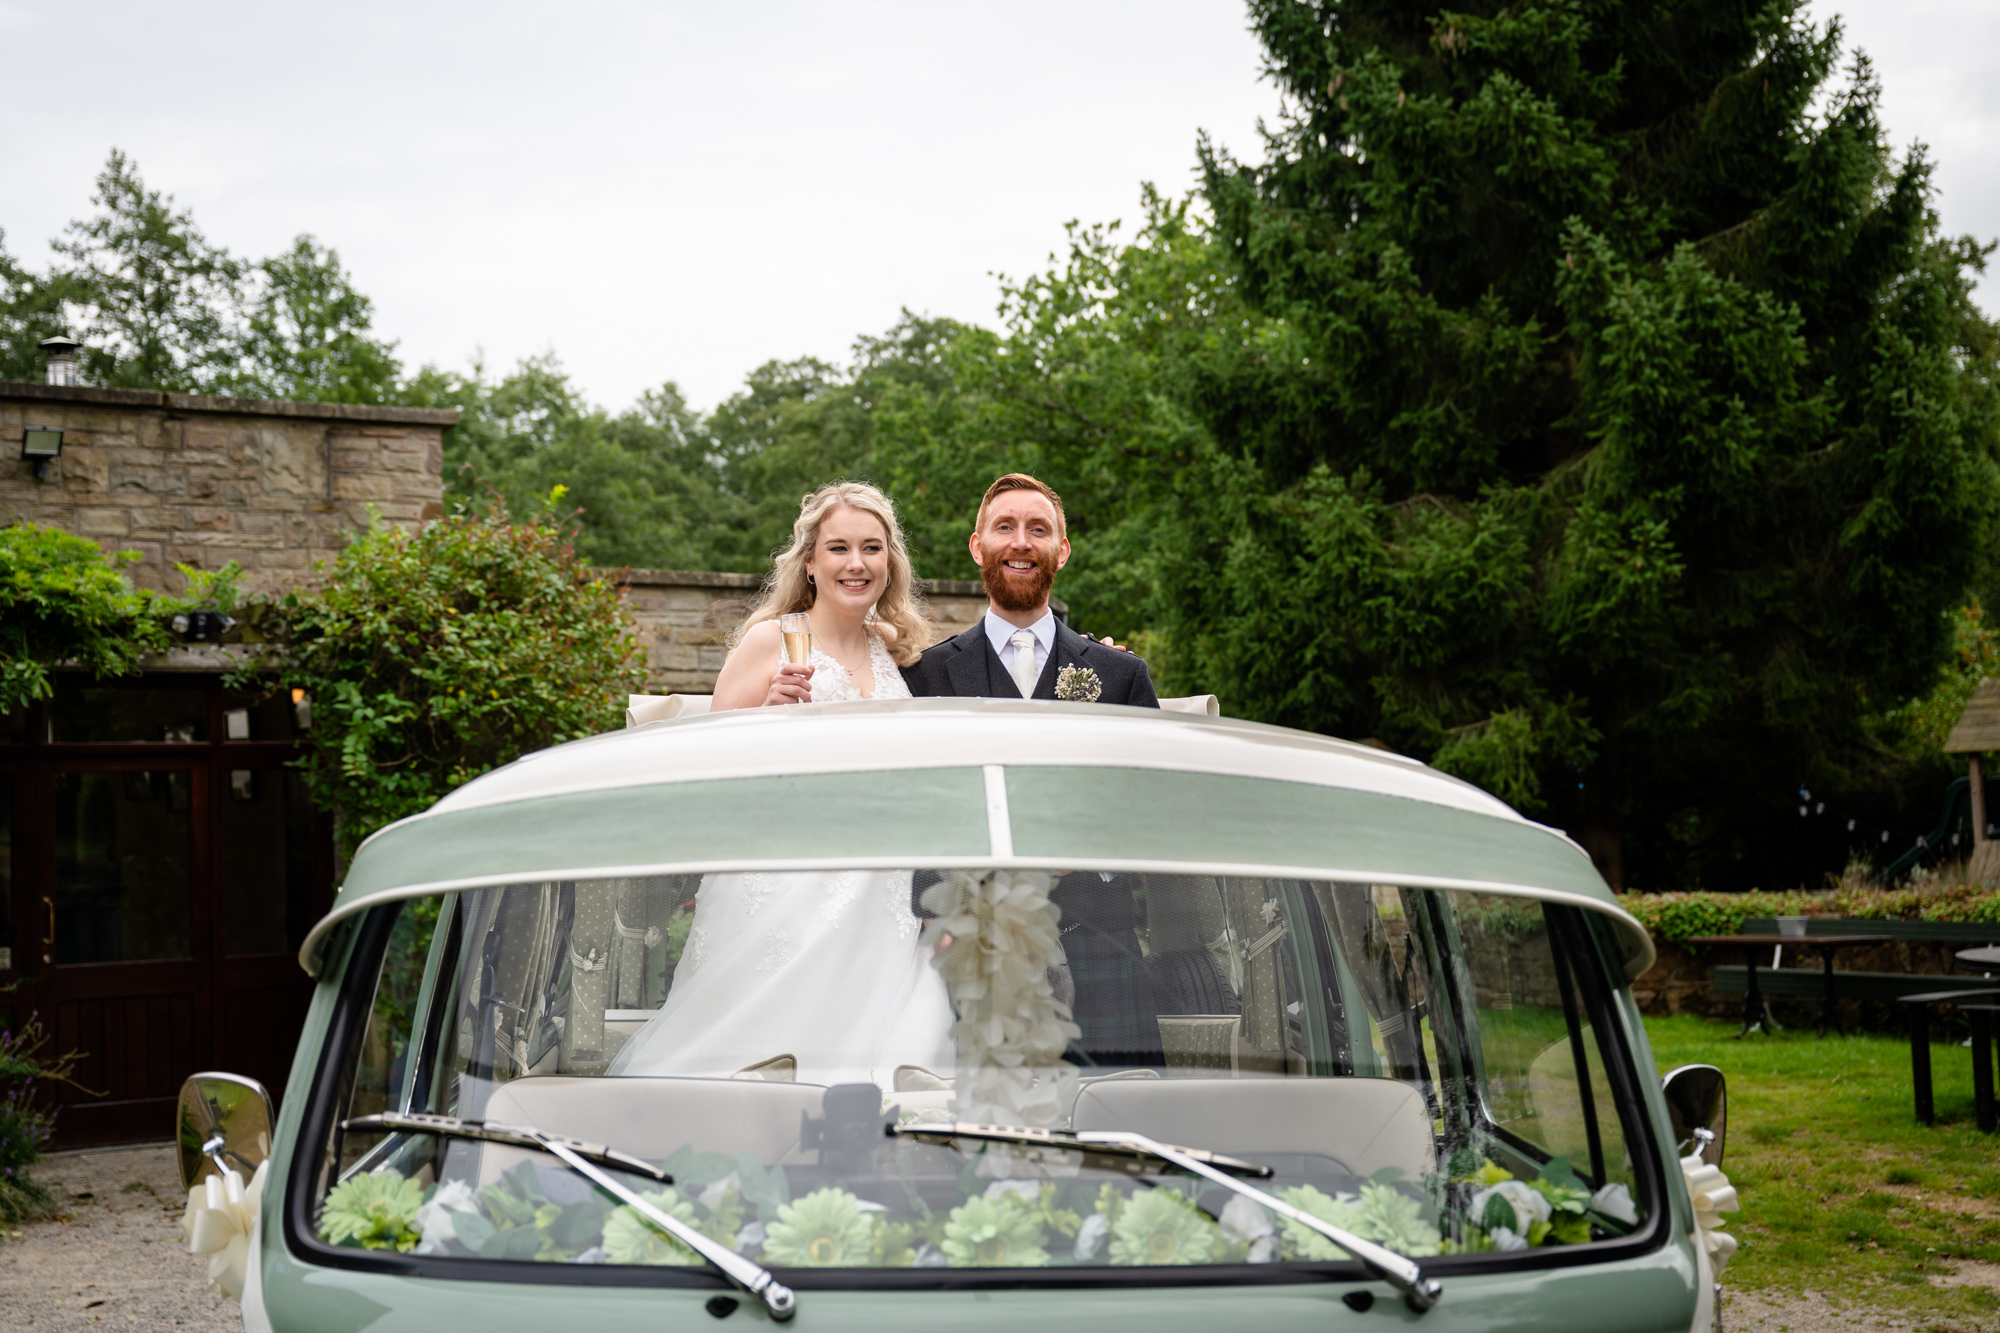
[1019, 542]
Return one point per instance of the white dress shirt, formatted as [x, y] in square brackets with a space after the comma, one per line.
[999, 633]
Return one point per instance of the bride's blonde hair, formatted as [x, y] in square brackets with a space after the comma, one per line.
[788, 588]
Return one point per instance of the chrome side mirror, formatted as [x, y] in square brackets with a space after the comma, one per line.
[1698, 1104]
[223, 1122]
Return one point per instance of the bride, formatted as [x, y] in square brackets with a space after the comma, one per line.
[822, 967]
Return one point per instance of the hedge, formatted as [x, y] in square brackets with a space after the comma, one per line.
[1674, 917]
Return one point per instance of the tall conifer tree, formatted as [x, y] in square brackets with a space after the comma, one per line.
[1635, 430]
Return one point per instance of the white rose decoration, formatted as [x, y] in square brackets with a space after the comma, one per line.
[434, 1220]
[1528, 1205]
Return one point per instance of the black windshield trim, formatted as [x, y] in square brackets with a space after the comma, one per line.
[345, 1030]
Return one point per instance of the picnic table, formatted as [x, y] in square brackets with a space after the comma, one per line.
[1974, 1004]
[1755, 1014]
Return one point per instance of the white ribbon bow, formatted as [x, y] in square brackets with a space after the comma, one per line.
[1713, 1195]
[221, 1214]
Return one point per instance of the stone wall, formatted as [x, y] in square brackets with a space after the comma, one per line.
[685, 620]
[189, 479]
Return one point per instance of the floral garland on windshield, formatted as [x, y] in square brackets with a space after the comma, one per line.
[996, 937]
[538, 1211]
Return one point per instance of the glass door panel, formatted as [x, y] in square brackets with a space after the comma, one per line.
[124, 865]
[270, 872]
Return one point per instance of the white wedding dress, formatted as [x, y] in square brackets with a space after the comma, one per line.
[822, 966]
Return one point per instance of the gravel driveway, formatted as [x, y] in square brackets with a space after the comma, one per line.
[120, 1260]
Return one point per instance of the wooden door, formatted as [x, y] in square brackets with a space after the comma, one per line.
[165, 865]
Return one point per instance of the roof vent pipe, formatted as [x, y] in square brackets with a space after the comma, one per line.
[61, 353]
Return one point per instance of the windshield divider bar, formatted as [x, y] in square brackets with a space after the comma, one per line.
[999, 821]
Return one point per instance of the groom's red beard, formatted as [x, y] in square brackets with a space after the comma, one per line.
[1014, 594]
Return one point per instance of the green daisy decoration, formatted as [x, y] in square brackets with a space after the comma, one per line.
[1161, 1227]
[826, 1229]
[1309, 1244]
[1392, 1218]
[630, 1239]
[376, 1210]
[994, 1233]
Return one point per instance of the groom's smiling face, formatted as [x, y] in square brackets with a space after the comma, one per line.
[1019, 548]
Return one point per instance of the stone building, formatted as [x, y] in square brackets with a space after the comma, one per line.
[159, 864]
[188, 479]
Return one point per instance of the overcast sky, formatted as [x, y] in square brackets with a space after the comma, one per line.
[683, 191]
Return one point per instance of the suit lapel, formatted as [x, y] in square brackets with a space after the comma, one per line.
[1067, 650]
[968, 669]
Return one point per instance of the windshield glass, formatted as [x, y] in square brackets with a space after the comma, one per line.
[1416, 1067]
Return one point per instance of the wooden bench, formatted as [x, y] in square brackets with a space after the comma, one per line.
[1806, 983]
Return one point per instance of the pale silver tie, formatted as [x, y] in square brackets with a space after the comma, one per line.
[1023, 670]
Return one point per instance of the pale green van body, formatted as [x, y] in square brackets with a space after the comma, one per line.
[576, 807]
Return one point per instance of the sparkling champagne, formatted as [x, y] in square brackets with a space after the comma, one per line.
[796, 627]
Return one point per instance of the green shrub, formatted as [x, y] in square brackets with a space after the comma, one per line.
[62, 599]
[66, 602]
[431, 658]
[25, 1122]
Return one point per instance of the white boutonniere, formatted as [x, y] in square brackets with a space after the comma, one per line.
[1078, 685]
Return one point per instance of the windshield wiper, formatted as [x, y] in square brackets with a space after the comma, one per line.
[1420, 1293]
[753, 1278]
[1029, 1136]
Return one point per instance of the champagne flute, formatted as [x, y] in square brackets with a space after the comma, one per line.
[797, 629]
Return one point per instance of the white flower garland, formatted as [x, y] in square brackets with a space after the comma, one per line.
[996, 937]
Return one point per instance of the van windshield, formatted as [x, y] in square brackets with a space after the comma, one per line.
[1417, 1067]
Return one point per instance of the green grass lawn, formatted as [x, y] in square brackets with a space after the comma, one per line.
[1844, 1193]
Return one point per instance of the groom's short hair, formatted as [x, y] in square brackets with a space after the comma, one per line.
[1021, 481]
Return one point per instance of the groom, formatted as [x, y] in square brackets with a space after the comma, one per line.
[1019, 541]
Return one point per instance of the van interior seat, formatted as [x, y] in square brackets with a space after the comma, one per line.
[655, 1117]
[1364, 1124]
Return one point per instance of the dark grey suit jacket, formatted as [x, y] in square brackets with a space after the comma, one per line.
[967, 667]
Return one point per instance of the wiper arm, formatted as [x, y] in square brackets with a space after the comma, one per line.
[1121, 1145]
[515, 1135]
[1420, 1293]
[753, 1278]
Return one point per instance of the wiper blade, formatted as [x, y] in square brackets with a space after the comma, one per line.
[1420, 1293]
[1029, 1136]
[518, 1136]
[753, 1278]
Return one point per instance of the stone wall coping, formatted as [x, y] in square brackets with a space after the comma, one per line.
[693, 578]
[32, 392]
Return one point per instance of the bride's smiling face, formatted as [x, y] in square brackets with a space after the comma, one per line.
[849, 562]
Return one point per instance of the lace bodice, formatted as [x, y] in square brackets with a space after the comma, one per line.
[831, 684]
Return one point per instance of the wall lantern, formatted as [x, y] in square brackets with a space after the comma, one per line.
[41, 445]
[201, 626]
[61, 367]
